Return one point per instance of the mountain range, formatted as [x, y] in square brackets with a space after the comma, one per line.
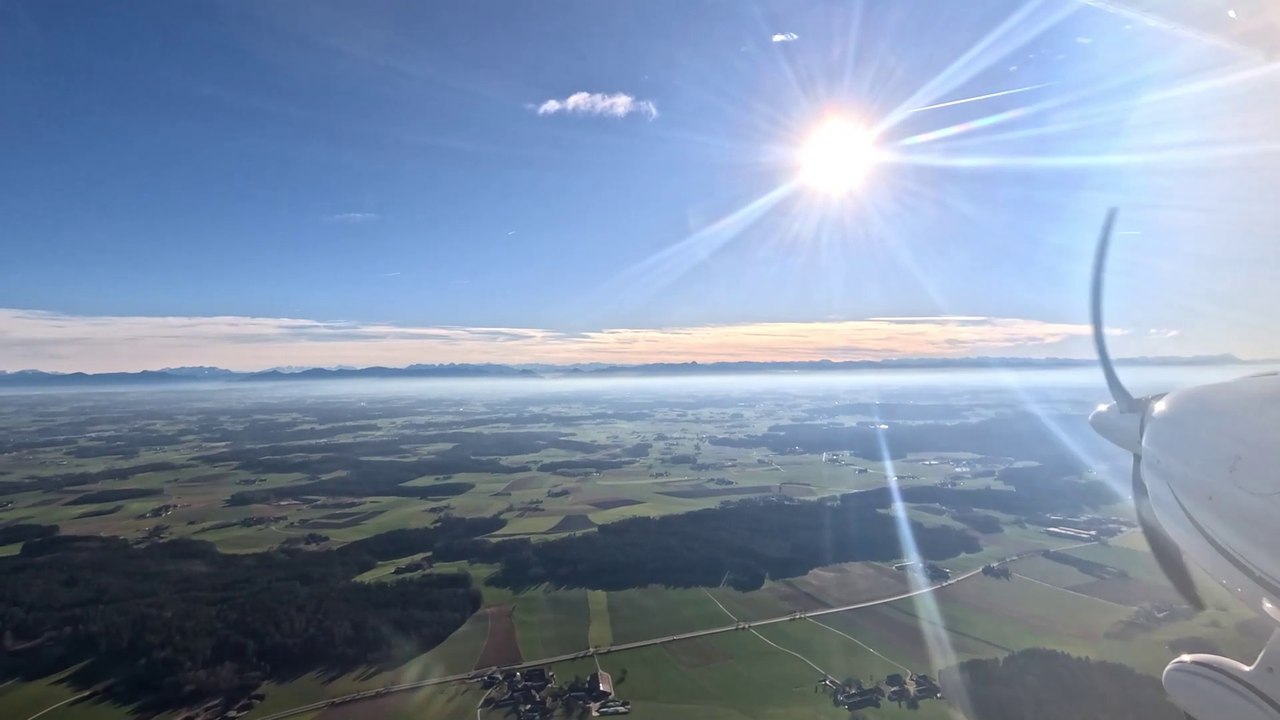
[208, 375]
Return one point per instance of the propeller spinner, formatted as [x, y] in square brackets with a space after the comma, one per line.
[1123, 422]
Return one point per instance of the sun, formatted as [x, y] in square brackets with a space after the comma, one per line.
[837, 157]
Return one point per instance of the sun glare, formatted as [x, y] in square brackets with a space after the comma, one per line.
[837, 157]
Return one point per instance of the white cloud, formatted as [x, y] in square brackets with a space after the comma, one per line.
[785, 37]
[59, 342]
[609, 105]
[353, 218]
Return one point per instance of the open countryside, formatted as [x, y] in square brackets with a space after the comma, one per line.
[724, 551]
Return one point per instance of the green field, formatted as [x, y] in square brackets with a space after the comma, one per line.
[1054, 573]
[652, 612]
[535, 501]
[600, 632]
[735, 674]
[550, 623]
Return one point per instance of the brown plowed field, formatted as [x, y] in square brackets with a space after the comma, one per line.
[500, 646]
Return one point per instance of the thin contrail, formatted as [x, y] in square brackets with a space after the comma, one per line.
[988, 96]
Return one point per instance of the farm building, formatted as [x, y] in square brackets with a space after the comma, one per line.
[1071, 533]
[600, 685]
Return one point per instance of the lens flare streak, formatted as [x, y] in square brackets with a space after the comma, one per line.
[1027, 22]
[1170, 156]
[1097, 113]
[667, 266]
[1185, 100]
[988, 96]
[964, 127]
[932, 625]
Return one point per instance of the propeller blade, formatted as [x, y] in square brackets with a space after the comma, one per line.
[1168, 556]
[1166, 551]
[1123, 398]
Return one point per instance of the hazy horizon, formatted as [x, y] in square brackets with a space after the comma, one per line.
[888, 362]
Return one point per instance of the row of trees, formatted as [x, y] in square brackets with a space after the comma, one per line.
[58, 482]
[742, 543]
[21, 532]
[1052, 685]
[111, 495]
[404, 542]
[982, 522]
[749, 541]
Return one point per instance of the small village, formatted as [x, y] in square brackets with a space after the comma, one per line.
[907, 690]
[533, 694]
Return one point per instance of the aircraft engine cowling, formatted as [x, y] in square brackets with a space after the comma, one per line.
[1208, 686]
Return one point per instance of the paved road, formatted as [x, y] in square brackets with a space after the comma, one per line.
[354, 697]
[480, 705]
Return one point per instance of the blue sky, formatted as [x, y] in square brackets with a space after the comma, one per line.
[256, 184]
